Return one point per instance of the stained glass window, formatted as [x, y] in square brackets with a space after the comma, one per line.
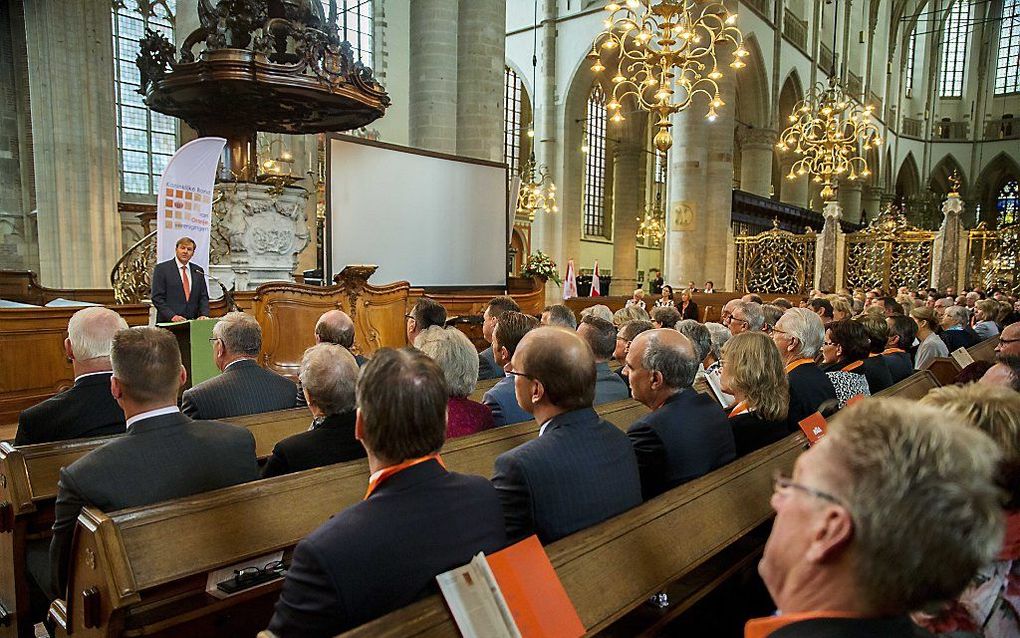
[1007, 70]
[1008, 204]
[595, 164]
[911, 50]
[512, 120]
[954, 49]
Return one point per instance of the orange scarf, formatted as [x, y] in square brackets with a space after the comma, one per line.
[793, 365]
[851, 367]
[738, 409]
[386, 473]
[892, 350]
[764, 627]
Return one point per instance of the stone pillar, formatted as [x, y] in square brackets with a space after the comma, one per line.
[827, 249]
[719, 185]
[871, 200]
[756, 145]
[481, 41]
[687, 209]
[627, 187]
[947, 244]
[795, 191]
[849, 195]
[70, 58]
[433, 71]
[185, 22]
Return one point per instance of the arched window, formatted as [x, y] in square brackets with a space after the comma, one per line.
[1008, 204]
[1007, 71]
[911, 50]
[595, 164]
[355, 20]
[145, 139]
[954, 49]
[516, 121]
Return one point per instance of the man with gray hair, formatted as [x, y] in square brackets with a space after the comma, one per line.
[86, 409]
[687, 434]
[559, 315]
[328, 376]
[244, 387]
[894, 509]
[798, 335]
[746, 316]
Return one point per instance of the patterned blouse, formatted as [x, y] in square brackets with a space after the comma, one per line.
[848, 385]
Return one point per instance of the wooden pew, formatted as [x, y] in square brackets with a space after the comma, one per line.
[914, 387]
[483, 386]
[984, 351]
[944, 369]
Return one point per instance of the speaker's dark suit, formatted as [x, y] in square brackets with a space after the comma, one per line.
[159, 458]
[385, 552]
[687, 437]
[487, 367]
[579, 472]
[331, 441]
[168, 292]
[243, 388]
[84, 410]
[810, 387]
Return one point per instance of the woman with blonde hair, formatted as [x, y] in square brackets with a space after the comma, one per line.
[907, 302]
[841, 308]
[754, 374]
[931, 345]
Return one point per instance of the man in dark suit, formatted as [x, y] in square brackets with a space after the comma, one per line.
[600, 335]
[244, 387]
[179, 292]
[799, 334]
[87, 408]
[902, 332]
[687, 434]
[502, 398]
[487, 367]
[164, 455]
[328, 376]
[580, 470]
[417, 521]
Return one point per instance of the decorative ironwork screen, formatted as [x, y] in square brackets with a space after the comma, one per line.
[775, 261]
[993, 257]
[888, 253]
[131, 276]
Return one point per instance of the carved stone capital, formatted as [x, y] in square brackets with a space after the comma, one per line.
[832, 210]
[953, 205]
[756, 138]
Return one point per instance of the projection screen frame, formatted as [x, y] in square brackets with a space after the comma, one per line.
[327, 230]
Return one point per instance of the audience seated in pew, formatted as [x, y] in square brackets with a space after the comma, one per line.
[334, 326]
[754, 375]
[425, 314]
[869, 526]
[875, 368]
[930, 346]
[244, 387]
[902, 332]
[686, 435]
[581, 469]
[956, 330]
[713, 363]
[600, 335]
[988, 604]
[601, 311]
[665, 317]
[501, 399]
[456, 357]
[559, 315]
[745, 316]
[496, 308]
[416, 521]
[328, 375]
[771, 314]
[700, 338]
[844, 350]
[164, 455]
[86, 409]
[798, 335]
[986, 311]
[624, 337]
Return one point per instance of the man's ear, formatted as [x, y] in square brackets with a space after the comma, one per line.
[67, 349]
[832, 534]
[183, 377]
[655, 379]
[359, 426]
[504, 355]
[116, 390]
[537, 391]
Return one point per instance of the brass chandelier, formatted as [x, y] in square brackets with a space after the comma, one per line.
[666, 55]
[652, 225]
[538, 192]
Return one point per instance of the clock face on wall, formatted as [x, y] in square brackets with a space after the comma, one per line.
[681, 217]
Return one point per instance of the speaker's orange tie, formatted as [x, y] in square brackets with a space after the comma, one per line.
[186, 282]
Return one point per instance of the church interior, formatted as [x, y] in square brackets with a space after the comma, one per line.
[323, 193]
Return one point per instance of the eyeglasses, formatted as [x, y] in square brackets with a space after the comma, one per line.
[521, 374]
[408, 317]
[743, 321]
[782, 483]
[1007, 341]
[828, 344]
[214, 339]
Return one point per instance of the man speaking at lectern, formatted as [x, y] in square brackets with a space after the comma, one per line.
[179, 292]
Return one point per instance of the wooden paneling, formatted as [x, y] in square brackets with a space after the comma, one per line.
[22, 286]
[914, 387]
[984, 351]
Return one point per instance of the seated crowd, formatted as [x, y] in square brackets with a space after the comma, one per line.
[844, 550]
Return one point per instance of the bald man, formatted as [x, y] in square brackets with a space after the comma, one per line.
[87, 408]
[580, 470]
[1009, 343]
[1003, 375]
[687, 434]
[337, 327]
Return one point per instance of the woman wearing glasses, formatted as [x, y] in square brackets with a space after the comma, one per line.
[844, 350]
[754, 375]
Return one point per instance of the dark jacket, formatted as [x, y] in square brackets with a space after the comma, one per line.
[751, 432]
[300, 396]
[609, 386]
[330, 441]
[243, 388]
[487, 368]
[168, 292]
[810, 387]
[84, 410]
[687, 437]
[580, 471]
[690, 312]
[877, 373]
[955, 339]
[385, 552]
[900, 364]
[896, 627]
[159, 458]
[502, 400]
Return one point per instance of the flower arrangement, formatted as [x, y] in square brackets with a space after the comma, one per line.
[540, 265]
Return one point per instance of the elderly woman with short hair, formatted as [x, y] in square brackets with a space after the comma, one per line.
[956, 330]
[453, 351]
[844, 350]
[754, 375]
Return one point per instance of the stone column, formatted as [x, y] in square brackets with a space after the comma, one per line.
[947, 244]
[481, 41]
[795, 191]
[70, 58]
[827, 249]
[849, 195]
[719, 184]
[756, 145]
[687, 209]
[186, 21]
[871, 200]
[433, 71]
[627, 187]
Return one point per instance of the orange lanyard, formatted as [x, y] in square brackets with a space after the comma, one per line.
[738, 409]
[376, 480]
[852, 366]
[793, 365]
[892, 351]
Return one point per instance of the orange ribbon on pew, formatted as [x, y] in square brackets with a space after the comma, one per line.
[793, 365]
[386, 473]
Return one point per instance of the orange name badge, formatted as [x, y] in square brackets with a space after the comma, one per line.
[814, 427]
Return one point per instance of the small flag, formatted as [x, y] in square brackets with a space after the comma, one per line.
[569, 281]
[596, 285]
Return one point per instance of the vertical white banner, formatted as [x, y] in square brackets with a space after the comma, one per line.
[184, 207]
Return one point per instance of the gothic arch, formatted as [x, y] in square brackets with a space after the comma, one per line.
[908, 179]
[994, 176]
[525, 77]
[752, 105]
[791, 93]
[938, 180]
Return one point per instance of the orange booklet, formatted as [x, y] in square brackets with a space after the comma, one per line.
[813, 427]
[514, 592]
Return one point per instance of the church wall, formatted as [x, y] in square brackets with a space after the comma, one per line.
[392, 53]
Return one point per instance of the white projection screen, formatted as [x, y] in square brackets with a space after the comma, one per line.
[432, 220]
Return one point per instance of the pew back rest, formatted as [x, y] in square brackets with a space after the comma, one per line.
[945, 369]
[914, 387]
[270, 428]
[984, 351]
